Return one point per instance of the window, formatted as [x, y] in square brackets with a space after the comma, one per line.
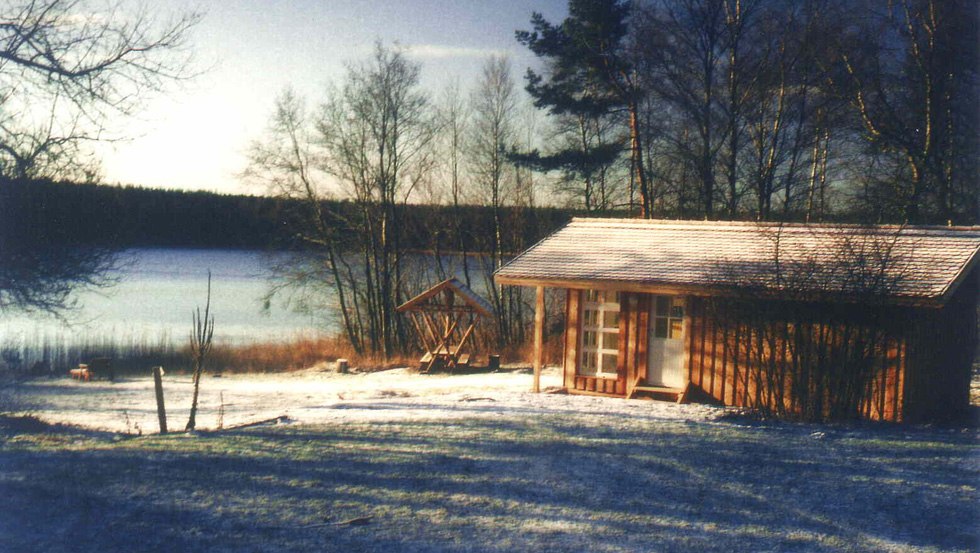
[600, 333]
[668, 317]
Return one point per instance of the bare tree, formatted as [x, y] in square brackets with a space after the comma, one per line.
[202, 334]
[683, 54]
[909, 71]
[286, 162]
[738, 88]
[453, 115]
[68, 69]
[371, 141]
[42, 277]
[376, 136]
[493, 133]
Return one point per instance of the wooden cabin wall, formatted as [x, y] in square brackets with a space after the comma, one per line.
[634, 327]
[920, 370]
[942, 346]
[633, 315]
[786, 358]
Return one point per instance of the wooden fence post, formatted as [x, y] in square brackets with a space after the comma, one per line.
[538, 338]
[161, 409]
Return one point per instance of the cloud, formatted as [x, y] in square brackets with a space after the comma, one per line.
[439, 51]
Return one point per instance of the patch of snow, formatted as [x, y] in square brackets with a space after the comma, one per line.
[315, 396]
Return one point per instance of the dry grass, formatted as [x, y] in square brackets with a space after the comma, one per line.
[309, 352]
[299, 354]
[45, 356]
[280, 356]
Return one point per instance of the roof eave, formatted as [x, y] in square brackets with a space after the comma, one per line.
[965, 271]
[719, 291]
[457, 288]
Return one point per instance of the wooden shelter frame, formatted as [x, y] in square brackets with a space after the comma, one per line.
[437, 314]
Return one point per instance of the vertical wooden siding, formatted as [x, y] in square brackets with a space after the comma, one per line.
[940, 352]
[922, 371]
[741, 365]
[634, 324]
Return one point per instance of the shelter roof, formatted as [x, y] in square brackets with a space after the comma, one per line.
[902, 263]
[470, 298]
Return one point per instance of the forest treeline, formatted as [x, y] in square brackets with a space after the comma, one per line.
[47, 213]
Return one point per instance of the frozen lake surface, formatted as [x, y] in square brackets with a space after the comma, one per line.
[156, 293]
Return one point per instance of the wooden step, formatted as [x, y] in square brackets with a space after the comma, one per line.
[659, 390]
[662, 392]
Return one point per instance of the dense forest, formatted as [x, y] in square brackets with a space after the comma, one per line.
[46, 213]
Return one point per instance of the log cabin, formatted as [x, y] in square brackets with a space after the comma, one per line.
[805, 321]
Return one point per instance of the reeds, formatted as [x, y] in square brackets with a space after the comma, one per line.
[54, 354]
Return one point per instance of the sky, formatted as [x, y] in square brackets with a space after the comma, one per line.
[195, 138]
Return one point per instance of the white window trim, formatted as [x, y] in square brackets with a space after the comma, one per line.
[600, 308]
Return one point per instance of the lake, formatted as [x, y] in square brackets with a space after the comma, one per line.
[158, 290]
[156, 293]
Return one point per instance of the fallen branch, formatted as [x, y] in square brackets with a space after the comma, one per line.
[275, 420]
[468, 398]
[356, 521]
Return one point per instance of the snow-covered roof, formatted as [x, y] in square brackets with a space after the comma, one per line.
[917, 264]
[422, 301]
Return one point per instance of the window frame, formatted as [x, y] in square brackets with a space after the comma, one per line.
[592, 358]
[670, 319]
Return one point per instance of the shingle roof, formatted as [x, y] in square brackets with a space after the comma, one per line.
[914, 263]
[453, 285]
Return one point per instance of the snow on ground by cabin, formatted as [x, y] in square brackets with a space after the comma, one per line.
[315, 396]
[395, 461]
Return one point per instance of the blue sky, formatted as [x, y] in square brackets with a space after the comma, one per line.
[196, 137]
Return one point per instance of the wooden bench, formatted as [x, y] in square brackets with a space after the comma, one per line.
[442, 359]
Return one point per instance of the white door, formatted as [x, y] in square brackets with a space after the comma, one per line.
[665, 366]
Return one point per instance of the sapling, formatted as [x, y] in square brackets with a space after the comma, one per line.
[201, 335]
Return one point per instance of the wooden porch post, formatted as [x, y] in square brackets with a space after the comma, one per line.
[538, 338]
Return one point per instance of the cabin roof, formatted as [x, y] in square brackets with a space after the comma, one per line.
[470, 298]
[906, 263]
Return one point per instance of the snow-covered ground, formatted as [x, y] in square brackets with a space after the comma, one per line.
[395, 461]
[318, 396]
